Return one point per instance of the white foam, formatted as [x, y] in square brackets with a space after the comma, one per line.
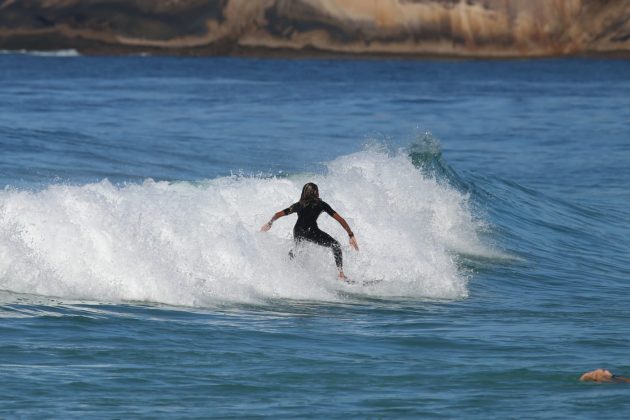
[199, 244]
[54, 53]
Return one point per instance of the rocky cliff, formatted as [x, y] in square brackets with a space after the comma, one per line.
[469, 28]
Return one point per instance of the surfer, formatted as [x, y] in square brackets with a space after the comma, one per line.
[308, 209]
[602, 375]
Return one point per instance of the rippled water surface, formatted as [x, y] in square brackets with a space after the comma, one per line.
[490, 202]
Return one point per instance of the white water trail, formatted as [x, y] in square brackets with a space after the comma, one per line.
[200, 245]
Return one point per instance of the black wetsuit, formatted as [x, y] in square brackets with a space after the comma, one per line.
[306, 226]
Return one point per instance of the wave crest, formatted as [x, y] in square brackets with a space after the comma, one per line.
[199, 244]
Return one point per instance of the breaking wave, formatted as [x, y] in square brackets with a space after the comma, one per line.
[199, 244]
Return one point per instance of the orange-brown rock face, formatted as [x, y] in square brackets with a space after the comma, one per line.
[468, 28]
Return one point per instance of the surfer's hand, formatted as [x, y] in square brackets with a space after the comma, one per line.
[265, 227]
[353, 243]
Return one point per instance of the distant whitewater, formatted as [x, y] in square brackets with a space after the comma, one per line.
[52, 53]
[198, 244]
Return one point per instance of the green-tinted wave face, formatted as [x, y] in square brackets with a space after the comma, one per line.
[426, 155]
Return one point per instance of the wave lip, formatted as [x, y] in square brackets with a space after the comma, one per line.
[198, 244]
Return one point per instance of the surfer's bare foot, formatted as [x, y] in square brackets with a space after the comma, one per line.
[342, 276]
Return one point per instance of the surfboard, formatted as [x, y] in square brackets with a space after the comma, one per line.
[362, 282]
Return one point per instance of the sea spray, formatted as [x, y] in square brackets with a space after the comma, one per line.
[199, 244]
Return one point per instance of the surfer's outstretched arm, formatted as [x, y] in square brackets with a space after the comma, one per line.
[275, 217]
[344, 224]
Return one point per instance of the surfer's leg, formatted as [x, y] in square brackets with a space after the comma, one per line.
[297, 240]
[336, 249]
[324, 239]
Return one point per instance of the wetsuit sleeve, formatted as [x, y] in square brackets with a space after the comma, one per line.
[328, 209]
[291, 209]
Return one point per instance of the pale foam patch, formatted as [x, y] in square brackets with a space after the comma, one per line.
[198, 245]
[55, 53]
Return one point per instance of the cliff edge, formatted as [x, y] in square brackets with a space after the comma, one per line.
[466, 28]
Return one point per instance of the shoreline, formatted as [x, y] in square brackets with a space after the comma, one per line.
[104, 49]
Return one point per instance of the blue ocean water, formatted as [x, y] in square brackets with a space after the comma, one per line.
[489, 198]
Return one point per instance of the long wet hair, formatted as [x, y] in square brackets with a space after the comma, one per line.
[310, 194]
